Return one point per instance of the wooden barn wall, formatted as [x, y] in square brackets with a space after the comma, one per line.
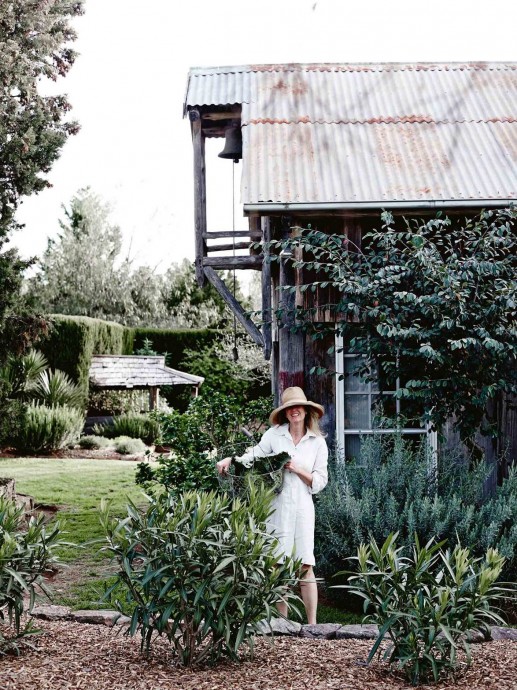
[321, 388]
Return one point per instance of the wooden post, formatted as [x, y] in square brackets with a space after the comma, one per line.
[198, 141]
[153, 398]
[266, 288]
[291, 343]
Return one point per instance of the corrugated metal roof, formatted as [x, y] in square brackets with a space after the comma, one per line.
[137, 371]
[370, 133]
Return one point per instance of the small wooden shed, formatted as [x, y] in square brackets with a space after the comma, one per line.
[139, 372]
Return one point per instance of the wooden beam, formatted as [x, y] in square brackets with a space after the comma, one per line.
[228, 262]
[219, 234]
[227, 247]
[266, 289]
[291, 343]
[221, 116]
[235, 306]
[198, 142]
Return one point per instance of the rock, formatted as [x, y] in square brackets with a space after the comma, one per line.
[51, 612]
[323, 631]
[102, 617]
[504, 633]
[357, 632]
[279, 626]
[477, 636]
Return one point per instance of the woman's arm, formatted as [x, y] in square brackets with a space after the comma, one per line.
[262, 449]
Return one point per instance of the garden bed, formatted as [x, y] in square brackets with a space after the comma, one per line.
[73, 655]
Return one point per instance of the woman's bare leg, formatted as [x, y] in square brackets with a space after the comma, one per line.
[309, 592]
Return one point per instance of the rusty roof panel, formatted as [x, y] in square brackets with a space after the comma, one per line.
[404, 162]
[328, 133]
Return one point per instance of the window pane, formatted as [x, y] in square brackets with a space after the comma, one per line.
[353, 382]
[357, 412]
[352, 448]
[384, 411]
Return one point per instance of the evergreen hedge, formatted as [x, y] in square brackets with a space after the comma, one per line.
[73, 340]
[174, 342]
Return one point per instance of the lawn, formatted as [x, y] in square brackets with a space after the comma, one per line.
[77, 486]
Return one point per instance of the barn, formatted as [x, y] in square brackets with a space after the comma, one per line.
[332, 145]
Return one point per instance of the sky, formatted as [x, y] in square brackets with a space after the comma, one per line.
[128, 85]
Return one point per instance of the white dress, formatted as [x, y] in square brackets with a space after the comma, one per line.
[292, 521]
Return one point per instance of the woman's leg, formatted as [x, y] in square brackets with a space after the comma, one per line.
[281, 607]
[309, 592]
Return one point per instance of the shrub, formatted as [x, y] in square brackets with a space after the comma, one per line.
[26, 552]
[425, 604]
[199, 569]
[394, 489]
[128, 446]
[93, 442]
[56, 388]
[212, 421]
[140, 426]
[48, 428]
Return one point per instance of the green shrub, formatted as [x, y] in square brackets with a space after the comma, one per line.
[212, 421]
[103, 402]
[140, 426]
[93, 442]
[199, 569]
[56, 388]
[48, 428]
[425, 604]
[128, 446]
[394, 489]
[26, 553]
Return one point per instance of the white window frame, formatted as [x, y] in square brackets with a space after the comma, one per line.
[341, 432]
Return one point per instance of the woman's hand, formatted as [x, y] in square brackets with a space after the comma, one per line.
[306, 477]
[291, 466]
[223, 465]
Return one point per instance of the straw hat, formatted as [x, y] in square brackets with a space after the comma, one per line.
[291, 397]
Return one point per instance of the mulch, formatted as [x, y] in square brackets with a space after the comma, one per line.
[74, 656]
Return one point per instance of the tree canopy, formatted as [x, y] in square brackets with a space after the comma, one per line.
[84, 272]
[35, 40]
[430, 303]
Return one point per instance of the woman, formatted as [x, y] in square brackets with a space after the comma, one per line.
[295, 430]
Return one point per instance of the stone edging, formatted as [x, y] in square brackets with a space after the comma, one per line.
[277, 626]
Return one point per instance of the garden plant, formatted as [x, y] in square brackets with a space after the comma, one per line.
[426, 603]
[200, 569]
[27, 552]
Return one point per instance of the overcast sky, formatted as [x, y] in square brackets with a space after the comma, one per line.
[128, 84]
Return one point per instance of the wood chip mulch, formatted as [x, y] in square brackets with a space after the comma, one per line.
[74, 656]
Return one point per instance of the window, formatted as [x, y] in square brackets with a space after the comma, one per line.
[367, 408]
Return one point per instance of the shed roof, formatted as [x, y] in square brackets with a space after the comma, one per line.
[355, 134]
[137, 371]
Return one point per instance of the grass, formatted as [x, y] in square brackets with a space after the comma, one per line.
[78, 486]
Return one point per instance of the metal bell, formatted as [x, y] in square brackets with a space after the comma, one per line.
[232, 144]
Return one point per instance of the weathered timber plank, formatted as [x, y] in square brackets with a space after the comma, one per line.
[227, 262]
[235, 306]
[227, 247]
[266, 289]
[198, 142]
[218, 234]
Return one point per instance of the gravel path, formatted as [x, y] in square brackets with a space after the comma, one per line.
[74, 656]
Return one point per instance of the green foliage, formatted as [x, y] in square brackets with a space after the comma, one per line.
[394, 489]
[128, 446]
[34, 45]
[91, 442]
[73, 341]
[432, 303]
[56, 388]
[200, 570]
[247, 377]
[174, 342]
[212, 421]
[48, 428]
[26, 553]
[425, 604]
[137, 426]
